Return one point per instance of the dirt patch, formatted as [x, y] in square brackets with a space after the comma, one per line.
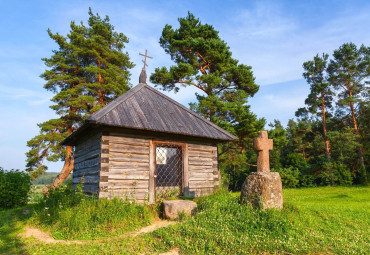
[156, 225]
[172, 252]
[43, 236]
[47, 238]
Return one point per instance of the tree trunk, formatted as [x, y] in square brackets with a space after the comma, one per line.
[327, 142]
[359, 148]
[66, 170]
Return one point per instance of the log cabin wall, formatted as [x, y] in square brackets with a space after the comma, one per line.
[124, 167]
[87, 163]
[203, 173]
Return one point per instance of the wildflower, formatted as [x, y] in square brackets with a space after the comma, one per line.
[46, 208]
[48, 214]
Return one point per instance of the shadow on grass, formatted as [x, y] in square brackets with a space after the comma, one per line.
[12, 222]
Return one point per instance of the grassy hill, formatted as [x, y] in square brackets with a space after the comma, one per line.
[314, 221]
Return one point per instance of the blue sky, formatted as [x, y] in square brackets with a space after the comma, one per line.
[274, 37]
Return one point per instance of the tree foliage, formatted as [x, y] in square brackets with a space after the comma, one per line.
[15, 187]
[87, 71]
[330, 138]
[203, 60]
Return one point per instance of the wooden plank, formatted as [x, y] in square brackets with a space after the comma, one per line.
[87, 171]
[119, 139]
[84, 151]
[200, 163]
[199, 147]
[90, 188]
[201, 178]
[128, 159]
[199, 174]
[125, 194]
[130, 184]
[205, 154]
[87, 179]
[128, 148]
[151, 172]
[123, 165]
[87, 163]
[114, 155]
[130, 176]
[124, 170]
[201, 168]
[89, 155]
[197, 192]
[192, 158]
[185, 183]
[201, 184]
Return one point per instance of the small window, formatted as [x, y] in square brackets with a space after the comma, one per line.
[161, 155]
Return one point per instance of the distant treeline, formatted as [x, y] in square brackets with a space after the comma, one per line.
[328, 142]
[47, 178]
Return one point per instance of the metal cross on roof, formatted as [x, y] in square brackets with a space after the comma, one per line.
[146, 56]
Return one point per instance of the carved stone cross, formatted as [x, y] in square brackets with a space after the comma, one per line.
[263, 145]
[145, 56]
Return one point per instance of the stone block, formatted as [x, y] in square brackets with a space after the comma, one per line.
[263, 190]
[173, 208]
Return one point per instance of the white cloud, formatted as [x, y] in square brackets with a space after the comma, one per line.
[276, 43]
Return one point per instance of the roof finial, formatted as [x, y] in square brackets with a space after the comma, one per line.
[142, 78]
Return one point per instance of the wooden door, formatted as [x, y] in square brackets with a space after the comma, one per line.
[168, 173]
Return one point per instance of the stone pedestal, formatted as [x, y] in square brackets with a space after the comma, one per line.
[263, 190]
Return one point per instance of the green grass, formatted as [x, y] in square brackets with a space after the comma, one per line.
[314, 220]
[72, 215]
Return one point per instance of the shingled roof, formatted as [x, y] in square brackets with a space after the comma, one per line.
[145, 108]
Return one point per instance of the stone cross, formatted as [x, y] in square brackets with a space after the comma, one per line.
[263, 146]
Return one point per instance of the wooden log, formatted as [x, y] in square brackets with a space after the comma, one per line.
[121, 161]
[130, 176]
[205, 154]
[86, 179]
[201, 178]
[200, 163]
[192, 158]
[130, 184]
[201, 168]
[124, 170]
[90, 188]
[196, 147]
[128, 148]
[87, 171]
[201, 174]
[86, 149]
[125, 194]
[151, 172]
[201, 184]
[123, 165]
[87, 163]
[124, 156]
[89, 155]
[201, 191]
[185, 177]
[126, 140]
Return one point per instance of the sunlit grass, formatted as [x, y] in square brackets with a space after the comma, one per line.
[328, 220]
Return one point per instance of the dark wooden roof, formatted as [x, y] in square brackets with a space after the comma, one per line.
[145, 108]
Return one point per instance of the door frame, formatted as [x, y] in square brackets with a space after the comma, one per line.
[152, 163]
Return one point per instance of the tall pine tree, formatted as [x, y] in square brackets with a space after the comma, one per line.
[87, 71]
[349, 72]
[320, 99]
[204, 61]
